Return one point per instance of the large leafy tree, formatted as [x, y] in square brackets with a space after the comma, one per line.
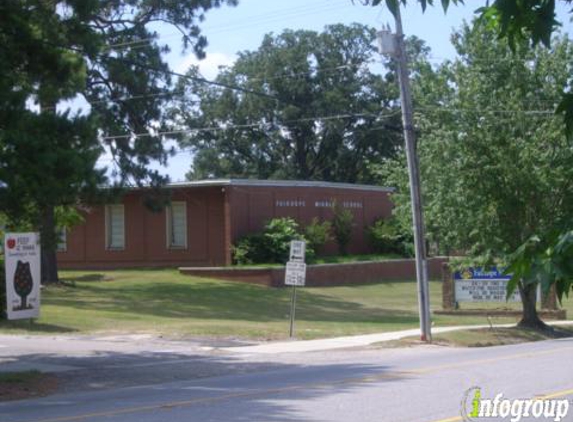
[495, 160]
[309, 107]
[533, 21]
[105, 53]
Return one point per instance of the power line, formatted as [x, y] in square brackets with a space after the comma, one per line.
[167, 72]
[464, 58]
[251, 125]
[481, 110]
[206, 81]
[275, 17]
[311, 70]
[141, 97]
[320, 119]
[326, 118]
[254, 125]
[249, 22]
[232, 87]
[175, 94]
[182, 93]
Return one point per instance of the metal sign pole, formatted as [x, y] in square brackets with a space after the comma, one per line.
[292, 310]
[295, 275]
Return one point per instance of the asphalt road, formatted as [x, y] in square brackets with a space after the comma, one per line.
[183, 384]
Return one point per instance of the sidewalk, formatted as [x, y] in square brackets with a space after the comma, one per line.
[302, 346]
[68, 353]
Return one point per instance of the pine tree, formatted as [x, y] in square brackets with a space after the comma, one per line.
[106, 54]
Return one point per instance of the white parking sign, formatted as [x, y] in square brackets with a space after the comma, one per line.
[295, 273]
[297, 250]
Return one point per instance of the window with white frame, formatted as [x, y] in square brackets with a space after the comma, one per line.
[62, 235]
[115, 226]
[176, 214]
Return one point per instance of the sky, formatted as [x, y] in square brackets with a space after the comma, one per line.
[233, 29]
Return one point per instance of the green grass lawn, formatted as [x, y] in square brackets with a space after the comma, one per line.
[167, 303]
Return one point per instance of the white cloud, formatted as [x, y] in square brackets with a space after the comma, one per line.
[209, 66]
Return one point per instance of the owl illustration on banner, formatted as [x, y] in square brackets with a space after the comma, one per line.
[23, 283]
[467, 274]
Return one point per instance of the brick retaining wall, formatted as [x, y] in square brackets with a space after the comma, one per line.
[324, 274]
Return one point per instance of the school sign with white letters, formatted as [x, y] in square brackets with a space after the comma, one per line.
[479, 285]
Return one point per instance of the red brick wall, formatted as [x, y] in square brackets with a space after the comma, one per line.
[252, 206]
[325, 274]
[217, 216]
[145, 234]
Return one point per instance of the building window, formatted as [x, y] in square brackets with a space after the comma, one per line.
[324, 204]
[114, 227]
[176, 214]
[62, 235]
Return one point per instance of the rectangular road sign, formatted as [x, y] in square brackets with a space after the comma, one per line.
[295, 273]
[297, 250]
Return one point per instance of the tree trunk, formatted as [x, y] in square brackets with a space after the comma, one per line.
[49, 243]
[48, 240]
[530, 318]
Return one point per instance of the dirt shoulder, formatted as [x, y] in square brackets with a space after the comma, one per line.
[27, 384]
[482, 337]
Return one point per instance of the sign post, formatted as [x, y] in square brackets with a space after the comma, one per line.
[295, 275]
[292, 311]
[22, 257]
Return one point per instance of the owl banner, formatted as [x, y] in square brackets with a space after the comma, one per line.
[22, 256]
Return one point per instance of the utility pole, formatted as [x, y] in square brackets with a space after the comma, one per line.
[393, 45]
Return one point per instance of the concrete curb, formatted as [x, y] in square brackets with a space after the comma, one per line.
[352, 341]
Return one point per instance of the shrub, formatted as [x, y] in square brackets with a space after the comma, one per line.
[271, 245]
[249, 250]
[386, 236]
[342, 224]
[278, 233]
[318, 234]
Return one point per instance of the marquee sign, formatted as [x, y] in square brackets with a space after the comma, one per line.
[479, 285]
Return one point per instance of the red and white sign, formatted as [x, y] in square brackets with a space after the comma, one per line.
[22, 256]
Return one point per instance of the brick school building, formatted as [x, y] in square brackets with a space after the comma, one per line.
[205, 218]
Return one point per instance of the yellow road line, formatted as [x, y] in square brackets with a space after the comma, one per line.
[454, 419]
[488, 360]
[556, 395]
[255, 393]
[168, 405]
